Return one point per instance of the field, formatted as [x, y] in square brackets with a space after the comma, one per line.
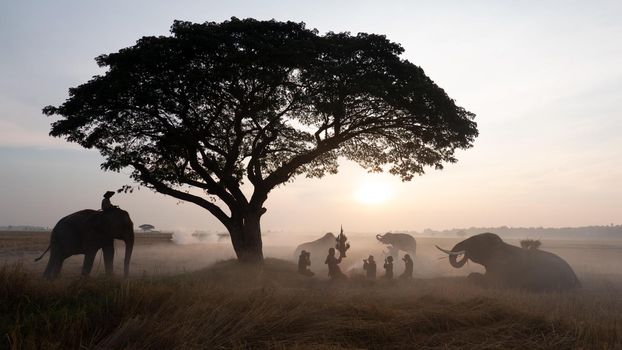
[192, 296]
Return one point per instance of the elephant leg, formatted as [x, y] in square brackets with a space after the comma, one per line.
[57, 265]
[478, 279]
[89, 257]
[52, 270]
[108, 258]
[47, 274]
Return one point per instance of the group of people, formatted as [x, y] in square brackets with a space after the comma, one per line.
[369, 265]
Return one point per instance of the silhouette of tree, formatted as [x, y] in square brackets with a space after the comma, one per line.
[530, 243]
[216, 104]
[146, 227]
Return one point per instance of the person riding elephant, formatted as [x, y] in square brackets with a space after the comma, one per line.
[509, 266]
[106, 204]
[86, 232]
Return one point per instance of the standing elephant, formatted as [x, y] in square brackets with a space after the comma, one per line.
[509, 266]
[85, 232]
[397, 242]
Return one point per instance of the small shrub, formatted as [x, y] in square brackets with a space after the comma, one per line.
[530, 243]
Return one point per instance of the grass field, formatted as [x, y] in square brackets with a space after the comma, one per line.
[191, 297]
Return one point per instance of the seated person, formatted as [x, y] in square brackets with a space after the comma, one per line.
[369, 265]
[106, 205]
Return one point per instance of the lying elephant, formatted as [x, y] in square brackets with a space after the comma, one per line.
[86, 232]
[318, 249]
[320, 245]
[397, 242]
[509, 266]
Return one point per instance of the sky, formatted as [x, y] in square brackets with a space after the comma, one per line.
[543, 77]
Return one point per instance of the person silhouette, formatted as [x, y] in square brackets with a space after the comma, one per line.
[304, 261]
[408, 271]
[334, 272]
[369, 265]
[106, 205]
[388, 267]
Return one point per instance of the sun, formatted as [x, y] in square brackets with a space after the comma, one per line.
[373, 191]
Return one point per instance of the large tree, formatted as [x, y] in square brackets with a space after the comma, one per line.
[216, 104]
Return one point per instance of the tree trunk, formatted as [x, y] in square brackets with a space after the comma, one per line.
[246, 238]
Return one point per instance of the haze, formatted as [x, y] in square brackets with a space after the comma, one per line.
[544, 79]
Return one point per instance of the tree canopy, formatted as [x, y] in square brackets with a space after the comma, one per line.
[146, 227]
[217, 104]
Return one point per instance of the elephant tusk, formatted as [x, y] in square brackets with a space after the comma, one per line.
[449, 252]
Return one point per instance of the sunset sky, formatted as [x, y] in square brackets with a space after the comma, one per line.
[543, 77]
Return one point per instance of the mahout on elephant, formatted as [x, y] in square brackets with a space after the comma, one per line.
[397, 242]
[106, 204]
[509, 266]
[86, 232]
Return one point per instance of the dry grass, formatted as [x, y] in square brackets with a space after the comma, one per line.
[233, 306]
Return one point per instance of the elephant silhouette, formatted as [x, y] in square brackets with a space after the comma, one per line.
[509, 266]
[86, 232]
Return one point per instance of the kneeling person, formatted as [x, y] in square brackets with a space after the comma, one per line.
[334, 272]
[304, 261]
[369, 265]
[408, 271]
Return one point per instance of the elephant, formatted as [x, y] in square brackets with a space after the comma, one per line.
[320, 245]
[397, 242]
[509, 266]
[85, 232]
[318, 250]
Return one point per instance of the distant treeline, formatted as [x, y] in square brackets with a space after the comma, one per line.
[24, 228]
[585, 232]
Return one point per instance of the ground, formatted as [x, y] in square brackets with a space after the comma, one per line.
[192, 297]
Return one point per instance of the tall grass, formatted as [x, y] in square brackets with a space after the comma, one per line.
[271, 307]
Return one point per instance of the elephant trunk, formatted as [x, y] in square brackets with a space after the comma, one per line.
[129, 247]
[379, 237]
[458, 249]
[453, 256]
[453, 260]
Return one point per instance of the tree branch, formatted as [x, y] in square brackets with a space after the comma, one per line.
[145, 175]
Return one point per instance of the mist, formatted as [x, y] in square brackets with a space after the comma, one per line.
[186, 252]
